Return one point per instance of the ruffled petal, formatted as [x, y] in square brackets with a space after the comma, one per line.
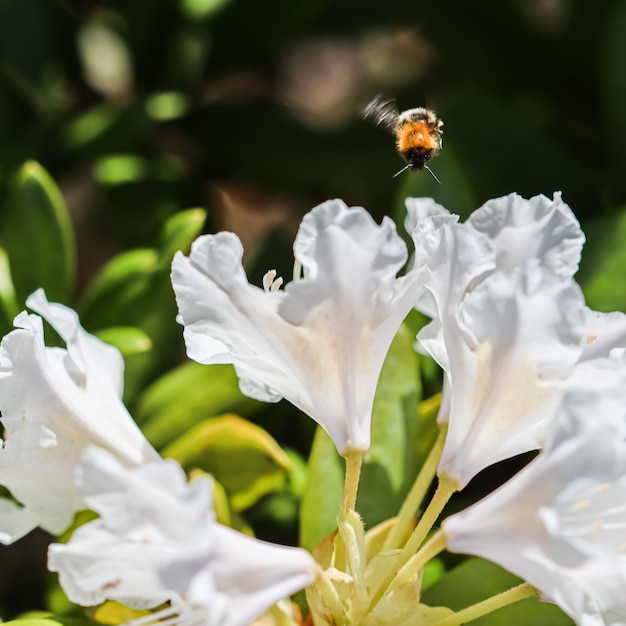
[321, 342]
[453, 258]
[157, 541]
[419, 208]
[538, 228]
[54, 402]
[605, 332]
[517, 339]
[96, 566]
[560, 523]
[247, 576]
[145, 513]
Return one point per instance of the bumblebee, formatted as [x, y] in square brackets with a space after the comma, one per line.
[418, 132]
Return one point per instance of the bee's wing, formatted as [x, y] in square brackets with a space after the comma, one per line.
[383, 111]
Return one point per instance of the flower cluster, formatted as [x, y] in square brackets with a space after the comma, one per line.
[527, 366]
[71, 445]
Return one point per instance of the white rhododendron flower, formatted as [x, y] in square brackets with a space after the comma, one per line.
[520, 337]
[509, 322]
[321, 341]
[157, 541]
[54, 402]
[561, 522]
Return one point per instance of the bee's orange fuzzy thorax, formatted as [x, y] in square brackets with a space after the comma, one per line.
[416, 135]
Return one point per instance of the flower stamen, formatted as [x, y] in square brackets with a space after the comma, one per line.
[270, 282]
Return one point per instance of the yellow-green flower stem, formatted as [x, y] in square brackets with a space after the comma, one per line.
[445, 489]
[435, 545]
[443, 493]
[521, 592]
[406, 516]
[354, 460]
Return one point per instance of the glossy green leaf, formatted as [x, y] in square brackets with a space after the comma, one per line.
[90, 126]
[428, 430]
[134, 289]
[8, 300]
[167, 105]
[179, 231]
[127, 339]
[220, 503]
[120, 169]
[434, 570]
[38, 236]
[117, 286]
[243, 457]
[35, 621]
[201, 9]
[603, 265]
[475, 580]
[390, 465]
[322, 495]
[42, 618]
[186, 396]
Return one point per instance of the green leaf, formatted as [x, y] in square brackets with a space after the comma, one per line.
[475, 580]
[390, 465]
[8, 301]
[186, 396]
[38, 236]
[117, 287]
[90, 126]
[134, 289]
[604, 259]
[220, 504]
[434, 570]
[243, 457]
[201, 9]
[428, 430]
[124, 289]
[120, 169]
[167, 105]
[127, 339]
[41, 618]
[322, 495]
[34, 621]
[179, 231]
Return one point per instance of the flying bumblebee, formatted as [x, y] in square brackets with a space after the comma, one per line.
[418, 132]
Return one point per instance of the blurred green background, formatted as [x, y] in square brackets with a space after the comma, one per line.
[251, 109]
[143, 109]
